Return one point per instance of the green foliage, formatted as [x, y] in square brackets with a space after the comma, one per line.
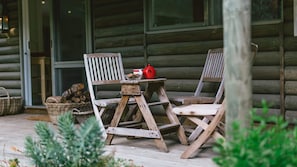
[270, 143]
[13, 162]
[10, 163]
[69, 145]
[110, 161]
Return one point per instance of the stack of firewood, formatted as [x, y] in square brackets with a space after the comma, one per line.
[75, 94]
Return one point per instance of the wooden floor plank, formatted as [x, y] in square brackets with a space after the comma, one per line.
[143, 152]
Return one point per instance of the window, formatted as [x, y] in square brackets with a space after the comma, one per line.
[174, 14]
[184, 13]
[266, 10]
[179, 12]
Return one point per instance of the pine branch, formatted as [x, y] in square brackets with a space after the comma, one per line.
[92, 144]
[67, 132]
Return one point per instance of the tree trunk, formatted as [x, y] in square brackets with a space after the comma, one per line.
[238, 78]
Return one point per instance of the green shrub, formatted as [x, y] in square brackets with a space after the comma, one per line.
[69, 145]
[270, 143]
[10, 163]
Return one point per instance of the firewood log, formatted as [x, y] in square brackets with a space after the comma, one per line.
[67, 94]
[75, 99]
[72, 91]
[54, 99]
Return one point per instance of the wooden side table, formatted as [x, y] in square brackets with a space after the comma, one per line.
[132, 89]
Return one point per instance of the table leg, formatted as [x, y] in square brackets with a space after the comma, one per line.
[171, 116]
[43, 86]
[117, 116]
[150, 121]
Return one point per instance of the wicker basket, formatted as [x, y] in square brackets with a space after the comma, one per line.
[81, 116]
[9, 105]
[54, 110]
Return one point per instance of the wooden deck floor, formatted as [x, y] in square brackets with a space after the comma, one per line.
[142, 152]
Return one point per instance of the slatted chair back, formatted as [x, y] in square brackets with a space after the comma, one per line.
[214, 68]
[212, 72]
[104, 68]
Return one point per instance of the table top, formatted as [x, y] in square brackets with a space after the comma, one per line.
[138, 81]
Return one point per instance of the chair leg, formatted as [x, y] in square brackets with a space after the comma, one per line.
[195, 145]
[198, 130]
[98, 117]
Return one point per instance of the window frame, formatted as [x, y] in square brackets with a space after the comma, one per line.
[149, 19]
[209, 16]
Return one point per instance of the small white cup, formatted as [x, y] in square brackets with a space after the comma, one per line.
[138, 72]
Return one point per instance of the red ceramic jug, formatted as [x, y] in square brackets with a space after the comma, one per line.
[149, 72]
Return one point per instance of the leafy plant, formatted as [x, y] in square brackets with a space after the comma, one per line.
[69, 146]
[13, 162]
[10, 163]
[270, 143]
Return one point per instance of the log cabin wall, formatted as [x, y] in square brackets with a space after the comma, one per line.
[118, 27]
[290, 63]
[266, 68]
[10, 57]
[179, 55]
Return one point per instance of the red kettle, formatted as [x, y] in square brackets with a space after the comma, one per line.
[149, 72]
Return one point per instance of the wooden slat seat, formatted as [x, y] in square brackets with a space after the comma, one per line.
[106, 102]
[197, 109]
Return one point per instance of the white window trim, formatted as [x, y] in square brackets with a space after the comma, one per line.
[295, 17]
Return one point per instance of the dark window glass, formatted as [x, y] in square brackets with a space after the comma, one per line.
[165, 14]
[184, 13]
[177, 12]
[266, 10]
[70, 27]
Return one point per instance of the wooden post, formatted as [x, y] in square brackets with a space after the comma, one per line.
[238, 78]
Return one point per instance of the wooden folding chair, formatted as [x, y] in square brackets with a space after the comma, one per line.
[212, 74]
[102, 69]
[207, 117]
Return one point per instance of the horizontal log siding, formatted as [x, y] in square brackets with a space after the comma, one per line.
[291, 64]
[10, 64]
[118, 27]
[186, 51]
[290, 47]
[180, 57]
